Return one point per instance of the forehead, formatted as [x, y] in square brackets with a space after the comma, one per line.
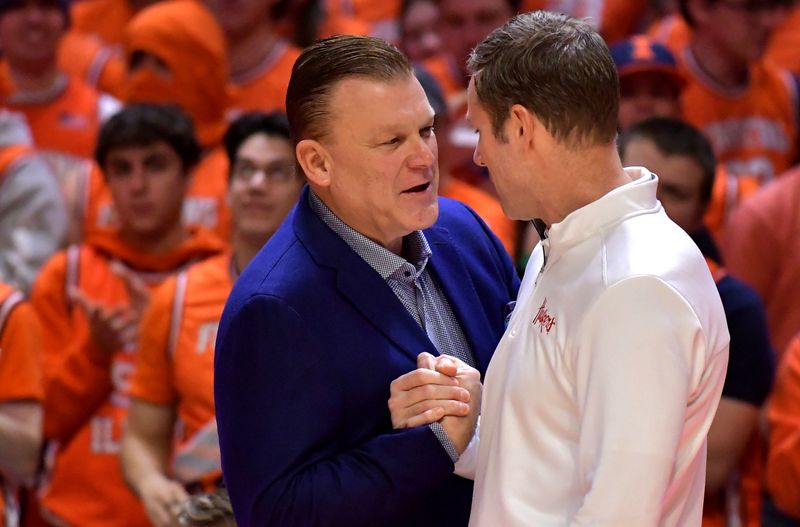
[123, 152]
[260, 146]
[359, 102]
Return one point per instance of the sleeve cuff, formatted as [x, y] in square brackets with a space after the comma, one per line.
[441, 435]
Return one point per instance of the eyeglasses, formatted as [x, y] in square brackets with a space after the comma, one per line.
[245, 171]
[757, 6]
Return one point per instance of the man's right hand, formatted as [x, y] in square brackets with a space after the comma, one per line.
[441, 388]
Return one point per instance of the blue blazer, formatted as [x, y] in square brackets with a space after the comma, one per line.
[309, 341]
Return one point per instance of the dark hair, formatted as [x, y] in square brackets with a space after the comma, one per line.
[325, 63]
[557, 67]
[144, 124]
[674, 137]
[10, 5]
[271, 124]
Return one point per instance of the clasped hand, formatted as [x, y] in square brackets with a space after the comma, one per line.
[443, 389]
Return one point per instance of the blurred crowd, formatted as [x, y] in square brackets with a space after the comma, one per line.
[145, 159]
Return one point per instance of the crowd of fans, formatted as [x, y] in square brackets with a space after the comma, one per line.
[145, 159]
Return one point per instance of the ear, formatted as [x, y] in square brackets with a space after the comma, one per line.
[521, 125]
[315, 162]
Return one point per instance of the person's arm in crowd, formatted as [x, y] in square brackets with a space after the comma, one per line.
[783, 461]
[280, 414]
[146, 447]
[76, 369]
[33, 221]
[633, 363]
[148, 437]
[20, 406]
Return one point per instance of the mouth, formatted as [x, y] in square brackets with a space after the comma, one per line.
[418, 189]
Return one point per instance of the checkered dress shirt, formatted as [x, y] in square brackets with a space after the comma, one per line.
[413, 286]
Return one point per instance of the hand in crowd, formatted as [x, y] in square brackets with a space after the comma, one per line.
[115, 328]
[163, 500]
[441, 388]
[110, 328]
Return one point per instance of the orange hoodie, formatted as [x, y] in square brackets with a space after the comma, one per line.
[186, 37]
[85, 388]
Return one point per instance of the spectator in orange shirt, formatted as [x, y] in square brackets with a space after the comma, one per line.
[747, 107]
[762, 246]
[172, 388]
[20, 397]
[62, 111]
[259, 58]
[684, 162]
[651, 85]
[92, 296]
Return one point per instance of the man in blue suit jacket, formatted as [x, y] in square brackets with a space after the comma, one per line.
[370, 270]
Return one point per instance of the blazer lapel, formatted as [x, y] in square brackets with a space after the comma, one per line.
[359, 283]
[455, 280]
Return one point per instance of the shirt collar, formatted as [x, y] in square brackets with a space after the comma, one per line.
[636, 197]
[382, 260]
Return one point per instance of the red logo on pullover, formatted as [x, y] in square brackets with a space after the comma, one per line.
[543, 319]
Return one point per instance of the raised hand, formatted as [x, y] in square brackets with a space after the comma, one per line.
[110, 328]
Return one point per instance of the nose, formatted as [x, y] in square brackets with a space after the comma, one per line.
[138, 180]
[424, 153]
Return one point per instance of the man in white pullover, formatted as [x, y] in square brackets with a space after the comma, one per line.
[599, 396]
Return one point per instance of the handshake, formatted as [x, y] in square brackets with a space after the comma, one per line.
[443, 389]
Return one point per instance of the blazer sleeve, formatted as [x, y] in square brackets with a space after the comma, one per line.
[283, 429]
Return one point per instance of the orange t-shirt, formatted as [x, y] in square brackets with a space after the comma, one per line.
[20, 369]
[176, 361]
[86, 396]
[205, 204]
[20, 344]
[265, 88]
[444, 69]
[67, 120]
[762, 247]
[754, 131]
[783, 461]
[487, 207]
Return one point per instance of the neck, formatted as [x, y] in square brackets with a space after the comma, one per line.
[165, 242]
[721, 67]
[32, 81]
[246, 247]
[586, 177]
[247, 51]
